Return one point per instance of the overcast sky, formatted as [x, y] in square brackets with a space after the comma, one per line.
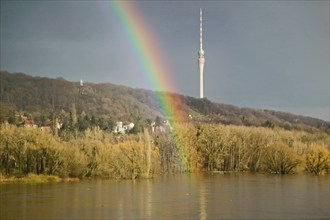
[260, 54]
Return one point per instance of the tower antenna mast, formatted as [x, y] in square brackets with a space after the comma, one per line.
[201, 59]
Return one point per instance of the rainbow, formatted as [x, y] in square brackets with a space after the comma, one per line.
[148, 53]
[152, 62]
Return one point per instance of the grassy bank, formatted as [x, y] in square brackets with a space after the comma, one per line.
[30, 178]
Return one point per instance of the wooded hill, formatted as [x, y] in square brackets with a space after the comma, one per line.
[35, 95]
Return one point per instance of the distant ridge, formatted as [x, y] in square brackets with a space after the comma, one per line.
[23, 92]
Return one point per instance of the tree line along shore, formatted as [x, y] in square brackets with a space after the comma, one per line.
[95, 153]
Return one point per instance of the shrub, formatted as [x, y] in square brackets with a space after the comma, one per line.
[317, 160]
[281, 159]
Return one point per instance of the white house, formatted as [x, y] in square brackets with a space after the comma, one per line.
[121, 128]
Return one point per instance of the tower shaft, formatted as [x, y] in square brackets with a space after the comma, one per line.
[201, 59]
[200, 29]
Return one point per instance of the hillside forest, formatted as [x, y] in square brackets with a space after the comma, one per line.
[214, 138]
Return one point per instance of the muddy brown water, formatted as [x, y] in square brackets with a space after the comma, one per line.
[184, 196]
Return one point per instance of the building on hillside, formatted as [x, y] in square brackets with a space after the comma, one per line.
[121, 128]
[28, 123]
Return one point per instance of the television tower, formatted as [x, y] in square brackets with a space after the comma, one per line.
[201, 59]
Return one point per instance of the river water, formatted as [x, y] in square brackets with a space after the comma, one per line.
[186, 196]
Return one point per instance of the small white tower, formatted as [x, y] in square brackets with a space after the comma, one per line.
[201, 59]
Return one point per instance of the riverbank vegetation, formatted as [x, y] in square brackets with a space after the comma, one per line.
[95, 154]
[31, 178]
[188, 148]
[228, 148]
